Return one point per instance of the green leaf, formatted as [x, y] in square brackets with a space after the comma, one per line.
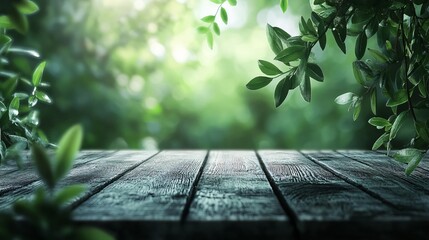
[411, 156]
[415, 160]
[380, 141]
[216, 28]
[26, 6]
[305, 88]
[68, 147]
[9, 86]
[397, 124]
[378, 55]
[282, 89]
[284, 36]
[358, 73]
[14, 108]
[43, 97]
[273, 39]
[357, 109]
[33, 118]
[379, 122]
[208, 19]
[423, 131]
[5, 43]
[209, 37]
[20, 95]
[92, 233]
[400, 97]
[283, 5]
[294, 81]
[68, 193]
[44, 165]
[322, 35]
[232, 2]
[202, 29]
[372, 27]
[6, 22]
[309, 38]
[339, 41]
[303, 26]
[373, 101]
[314, 71]
[360, 47]
[19, 21]
[290, 54]
[258, 82]
[37, 75]
[268, 68]
[32, 101]
[24, 207]
[224, 15]
[345, 98]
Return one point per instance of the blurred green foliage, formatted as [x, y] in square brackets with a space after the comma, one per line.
[47, 214]
[20, 91]
[137, 74]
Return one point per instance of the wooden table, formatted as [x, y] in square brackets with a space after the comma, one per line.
[269, 194]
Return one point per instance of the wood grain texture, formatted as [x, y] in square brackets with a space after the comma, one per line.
[147, 202]
[394, 191]
[234, 188]
[156, 190]
[94, 170]
[234, 195]
[387, 165]
[326, 207]
[13, 179]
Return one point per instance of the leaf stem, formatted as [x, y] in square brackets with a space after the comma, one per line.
[215, 15]
[407, 85]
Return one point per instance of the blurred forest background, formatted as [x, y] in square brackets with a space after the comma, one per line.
[137, 74]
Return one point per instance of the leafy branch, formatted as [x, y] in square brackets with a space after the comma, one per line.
[213, 26]
[396, 73]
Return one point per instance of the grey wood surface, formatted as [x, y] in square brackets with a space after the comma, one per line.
[321, 201]
[382, 185]
[268, 194]
[15, 179]
[395, 169]
[94, 172]
[234, 188]
[157, 191]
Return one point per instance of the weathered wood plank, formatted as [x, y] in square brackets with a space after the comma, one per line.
[233, 193]
[396, 192]
[11, 166]
[389, 167]
[156, 191]
[95, 172]
[325, 206]
[13, 179]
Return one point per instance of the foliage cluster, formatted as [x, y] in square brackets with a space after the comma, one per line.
[48, 215]
[19, 118]
[395, 71]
